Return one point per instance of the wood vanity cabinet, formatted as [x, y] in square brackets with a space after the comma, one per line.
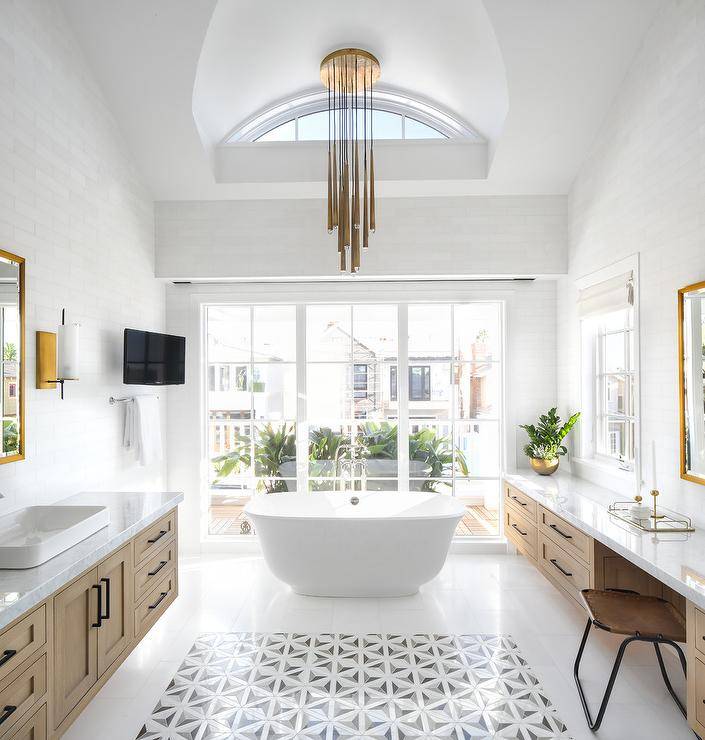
[76, 643]
[54, 659]
[92, 628]
[573, 560]
[115, 633]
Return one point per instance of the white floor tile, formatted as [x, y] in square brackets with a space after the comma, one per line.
[491, 594]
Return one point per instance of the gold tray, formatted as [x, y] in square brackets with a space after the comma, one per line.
[669, 521]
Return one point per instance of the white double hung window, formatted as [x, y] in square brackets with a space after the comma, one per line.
[609, 370]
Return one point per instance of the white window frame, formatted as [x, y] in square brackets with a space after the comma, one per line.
[384, 98]
[299, 294]
[591, 463]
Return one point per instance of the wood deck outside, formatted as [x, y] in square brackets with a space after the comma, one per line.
[230, 519]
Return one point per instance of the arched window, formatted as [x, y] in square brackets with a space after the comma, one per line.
[395, 116]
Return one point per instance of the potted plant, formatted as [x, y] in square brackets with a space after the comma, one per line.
[546, 441]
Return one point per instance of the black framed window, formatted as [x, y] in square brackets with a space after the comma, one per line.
[419, 383]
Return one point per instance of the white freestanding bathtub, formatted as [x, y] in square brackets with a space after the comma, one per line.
[386, 545]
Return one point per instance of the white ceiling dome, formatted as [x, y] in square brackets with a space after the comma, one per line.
[257, 52]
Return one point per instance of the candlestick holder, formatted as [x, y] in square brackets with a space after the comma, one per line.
[654, 515]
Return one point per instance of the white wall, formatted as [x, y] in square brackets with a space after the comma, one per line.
[73, 205]
[530, 365]
[643, 190]
[468, 236]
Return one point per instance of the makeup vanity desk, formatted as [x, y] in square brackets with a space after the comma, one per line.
[562, 524]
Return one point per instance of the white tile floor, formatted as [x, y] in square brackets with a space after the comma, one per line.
[473, 594]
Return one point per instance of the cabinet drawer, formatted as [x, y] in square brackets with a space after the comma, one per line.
[153, 538]
[700, 633]
[35, 728]
[520, 501]
[700, 691]
[565, 535]
[521, 532]
[19, 641]
[21, 693]
[154, 568]
[155, 603]
[563, 569]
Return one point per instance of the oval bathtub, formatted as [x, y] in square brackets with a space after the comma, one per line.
[387, 545]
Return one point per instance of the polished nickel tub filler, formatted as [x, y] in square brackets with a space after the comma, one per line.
[355, 544]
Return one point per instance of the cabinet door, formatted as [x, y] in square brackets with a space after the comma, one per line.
[75, 643]
[115, 633]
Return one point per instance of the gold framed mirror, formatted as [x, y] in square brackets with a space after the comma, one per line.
[691, 380]
[12, 341]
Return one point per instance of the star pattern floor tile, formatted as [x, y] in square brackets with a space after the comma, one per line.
[285, 686]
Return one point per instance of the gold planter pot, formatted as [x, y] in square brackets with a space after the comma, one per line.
[544, 467]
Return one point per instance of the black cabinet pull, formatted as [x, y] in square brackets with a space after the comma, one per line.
[99, 623]
[161, 598]
[162, 532]
[7, 654]
[154, 572]
[7, 710]
[562, 534]
[523, 534]
[564, 572]
[106, 581]
[521, 503]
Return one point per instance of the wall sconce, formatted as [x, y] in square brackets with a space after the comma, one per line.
[51, 371]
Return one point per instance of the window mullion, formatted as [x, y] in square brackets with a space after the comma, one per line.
[301, 411]
[453, 391]
[251, 383]
[403, 396]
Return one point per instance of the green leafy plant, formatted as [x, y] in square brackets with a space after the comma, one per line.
[10, 436]
[322, 451]
[274, 446]
[546, 437]
[235, 461]
[10, 352]
[435, 451]
[378, 441]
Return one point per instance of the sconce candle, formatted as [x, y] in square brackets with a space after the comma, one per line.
[654, 487]
[68, 351]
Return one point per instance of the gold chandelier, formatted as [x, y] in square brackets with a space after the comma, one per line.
[349, 75]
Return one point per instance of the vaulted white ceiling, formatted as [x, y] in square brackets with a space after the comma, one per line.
[535, 78]
[257, 52]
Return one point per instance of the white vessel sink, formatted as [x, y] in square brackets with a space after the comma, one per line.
[35, 534]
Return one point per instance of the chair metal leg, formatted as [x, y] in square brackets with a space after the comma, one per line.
[595, 725]
[664, 673]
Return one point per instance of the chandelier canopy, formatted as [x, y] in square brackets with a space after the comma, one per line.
[349, 75]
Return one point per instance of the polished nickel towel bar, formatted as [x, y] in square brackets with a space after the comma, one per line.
[112, 400]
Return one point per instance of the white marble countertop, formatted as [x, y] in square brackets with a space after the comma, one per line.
[676, 559]
[130, 512]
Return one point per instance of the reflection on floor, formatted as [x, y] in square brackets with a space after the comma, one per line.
[473, 594]
[230, 519]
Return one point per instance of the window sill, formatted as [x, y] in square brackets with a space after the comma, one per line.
[606, 475]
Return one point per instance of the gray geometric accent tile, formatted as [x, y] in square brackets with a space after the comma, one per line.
[281, 686]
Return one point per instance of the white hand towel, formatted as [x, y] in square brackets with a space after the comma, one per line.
[128, 437]
[148, 432]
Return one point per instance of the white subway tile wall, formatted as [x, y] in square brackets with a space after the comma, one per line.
[72, 204]
[493, 235]
[642, 190]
